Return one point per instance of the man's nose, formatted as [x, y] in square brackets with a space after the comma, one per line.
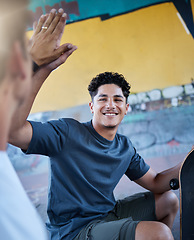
[110, 104]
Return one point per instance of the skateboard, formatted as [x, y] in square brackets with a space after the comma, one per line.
[186, 179]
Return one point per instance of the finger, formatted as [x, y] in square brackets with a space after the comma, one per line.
[35, 25]
[55, 64]
[68, 53]
[56, 20]
[59, 51]
[59, 29]
[41, 21]
[48, 21]
[63, 49]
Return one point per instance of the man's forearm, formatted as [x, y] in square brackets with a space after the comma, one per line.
[21, 115]
[159, 182]
[163, 178]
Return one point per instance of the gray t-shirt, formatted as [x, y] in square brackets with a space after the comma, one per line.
[85, 168]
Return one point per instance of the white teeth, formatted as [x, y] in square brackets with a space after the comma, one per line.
[110, 114]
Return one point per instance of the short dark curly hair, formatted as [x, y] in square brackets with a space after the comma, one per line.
[109, 78]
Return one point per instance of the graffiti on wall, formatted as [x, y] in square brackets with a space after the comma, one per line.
[78, 10]
[158, 99]
[38, 8]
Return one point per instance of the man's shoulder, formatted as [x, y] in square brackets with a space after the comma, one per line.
[70, 122]
[123, 138]
[63, 121]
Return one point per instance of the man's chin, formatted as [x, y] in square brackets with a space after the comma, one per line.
[110, 126]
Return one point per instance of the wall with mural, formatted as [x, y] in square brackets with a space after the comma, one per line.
[152, 46]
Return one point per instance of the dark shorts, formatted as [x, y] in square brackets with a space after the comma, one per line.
[121, 222]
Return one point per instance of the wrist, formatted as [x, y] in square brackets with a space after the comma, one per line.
[35, 67]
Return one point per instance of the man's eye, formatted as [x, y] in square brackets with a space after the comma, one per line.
[102, 99]
[118, 100]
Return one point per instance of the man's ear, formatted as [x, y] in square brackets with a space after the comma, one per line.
[16, 62]
[91, 107]
[127, 107]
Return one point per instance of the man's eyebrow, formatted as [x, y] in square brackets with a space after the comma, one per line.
[103, 95]
[120, 96]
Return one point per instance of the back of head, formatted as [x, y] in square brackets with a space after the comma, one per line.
[109, 78]
[13, 21]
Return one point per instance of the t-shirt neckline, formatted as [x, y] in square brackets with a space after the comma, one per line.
[97, 135]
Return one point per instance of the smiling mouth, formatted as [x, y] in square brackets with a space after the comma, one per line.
[110, 114]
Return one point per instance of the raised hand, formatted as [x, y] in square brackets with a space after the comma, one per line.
[44, 46]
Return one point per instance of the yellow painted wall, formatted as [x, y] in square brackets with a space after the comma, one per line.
[149, 46]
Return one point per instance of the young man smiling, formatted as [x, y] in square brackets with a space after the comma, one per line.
[109, 106]
[87, 161]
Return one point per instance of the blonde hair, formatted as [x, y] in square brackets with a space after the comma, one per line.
[13, 22]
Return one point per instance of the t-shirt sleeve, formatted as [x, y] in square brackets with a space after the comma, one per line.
[48, 138]
[137, 167]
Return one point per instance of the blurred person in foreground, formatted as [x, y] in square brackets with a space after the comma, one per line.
[18, 217]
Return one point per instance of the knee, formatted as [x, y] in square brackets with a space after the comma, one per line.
[172, 201]
[167, 201]
[163, 233]
[159, 231]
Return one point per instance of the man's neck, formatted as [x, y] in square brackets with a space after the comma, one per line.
[106, 132]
